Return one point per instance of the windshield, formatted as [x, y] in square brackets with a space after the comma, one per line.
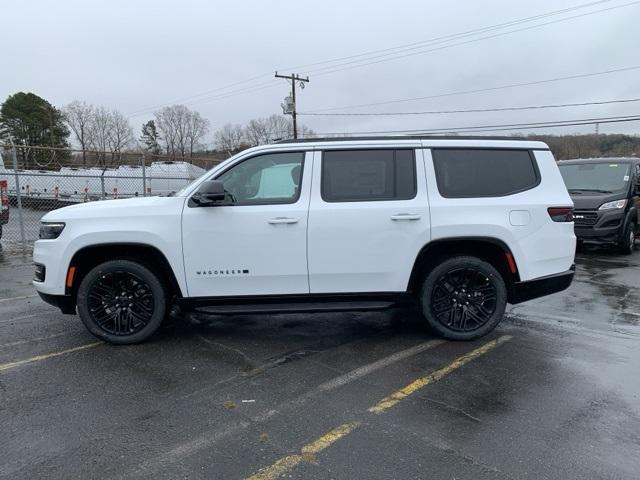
[595, 177]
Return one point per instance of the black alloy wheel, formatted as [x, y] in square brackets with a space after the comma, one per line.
[121, 302]
[463, 298]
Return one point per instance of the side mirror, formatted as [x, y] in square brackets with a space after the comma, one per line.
[209, 193]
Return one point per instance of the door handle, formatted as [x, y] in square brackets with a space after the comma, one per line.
[406, 216]
[279, 220]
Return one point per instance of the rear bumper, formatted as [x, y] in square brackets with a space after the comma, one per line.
[540, 287]
[65, 303]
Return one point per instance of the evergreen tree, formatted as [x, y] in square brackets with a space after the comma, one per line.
[33, 121]
[149, 137]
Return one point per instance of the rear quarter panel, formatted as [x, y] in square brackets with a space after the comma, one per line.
[540, 246]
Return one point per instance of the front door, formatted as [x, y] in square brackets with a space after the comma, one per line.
[255, 243]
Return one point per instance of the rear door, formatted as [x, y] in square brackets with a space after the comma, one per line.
[368, 219]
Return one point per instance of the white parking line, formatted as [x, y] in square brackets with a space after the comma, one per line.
[2, 300]
[208, 439]
[377, 365]
[39, 358]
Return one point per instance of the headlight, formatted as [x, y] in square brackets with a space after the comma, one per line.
[612, 205]
[50, 230]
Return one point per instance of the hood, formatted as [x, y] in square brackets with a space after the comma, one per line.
[110, 208]
[592, 201]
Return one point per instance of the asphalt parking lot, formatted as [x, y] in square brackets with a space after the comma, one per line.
[554, 393]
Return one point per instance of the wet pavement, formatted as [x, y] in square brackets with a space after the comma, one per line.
[554, 393]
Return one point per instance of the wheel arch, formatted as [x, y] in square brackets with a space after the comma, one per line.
[147, 255]
[493, 250]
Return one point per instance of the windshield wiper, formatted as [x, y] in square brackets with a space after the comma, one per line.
[580, 190]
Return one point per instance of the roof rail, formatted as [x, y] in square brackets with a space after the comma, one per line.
[404, 137]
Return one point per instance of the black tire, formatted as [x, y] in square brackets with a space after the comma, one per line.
[628, 243]
[121, 302]
[463, 298]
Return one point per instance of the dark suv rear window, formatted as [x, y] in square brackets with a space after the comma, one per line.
[464, 173]
[368, 175]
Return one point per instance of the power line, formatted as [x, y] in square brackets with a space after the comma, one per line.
[474, 110]
[500, 127]
[368, 56]
[450, 36]
[481, 90]
[220, 96]
[383, 58]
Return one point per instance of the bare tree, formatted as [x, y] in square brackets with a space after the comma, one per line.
[98, 132]
[109, 130]
[229, 138]
[165, 122]
[120, 132]
[197, 128]
[279, 127]
[305, 132]
[276, 127]
[181, 129]
[78, 116]
[257, 132]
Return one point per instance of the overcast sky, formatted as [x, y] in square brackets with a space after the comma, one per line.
[137, 55]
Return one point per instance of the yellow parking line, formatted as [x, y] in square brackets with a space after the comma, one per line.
[38, 358]
[289, 462]
[416, 385]
[308, 452]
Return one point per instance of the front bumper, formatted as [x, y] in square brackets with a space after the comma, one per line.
[599, 226]
[540, 287]
[66, 303]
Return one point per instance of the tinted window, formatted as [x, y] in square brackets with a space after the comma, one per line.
[483, 173]
[365, 175]
[269, 178]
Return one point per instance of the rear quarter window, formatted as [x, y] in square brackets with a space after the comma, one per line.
[466, 173]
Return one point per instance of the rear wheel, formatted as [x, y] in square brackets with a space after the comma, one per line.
[121, 302]
[463, 298]
[628, 243]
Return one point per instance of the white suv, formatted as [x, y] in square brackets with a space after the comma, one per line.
[459, 226]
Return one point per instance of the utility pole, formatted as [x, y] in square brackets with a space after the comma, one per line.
[289, 108]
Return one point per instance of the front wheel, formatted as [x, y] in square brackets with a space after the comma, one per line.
[121, 302]
[628, 243]
[463, 298]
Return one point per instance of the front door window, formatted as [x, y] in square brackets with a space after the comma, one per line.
[272, 178]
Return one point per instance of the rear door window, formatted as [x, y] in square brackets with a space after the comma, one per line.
[465, 173]
[368, 175]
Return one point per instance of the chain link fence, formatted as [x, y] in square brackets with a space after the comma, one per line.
[35, 180]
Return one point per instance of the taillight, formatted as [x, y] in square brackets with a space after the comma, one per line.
[561, 214]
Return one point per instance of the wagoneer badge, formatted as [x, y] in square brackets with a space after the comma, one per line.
[226, 271]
